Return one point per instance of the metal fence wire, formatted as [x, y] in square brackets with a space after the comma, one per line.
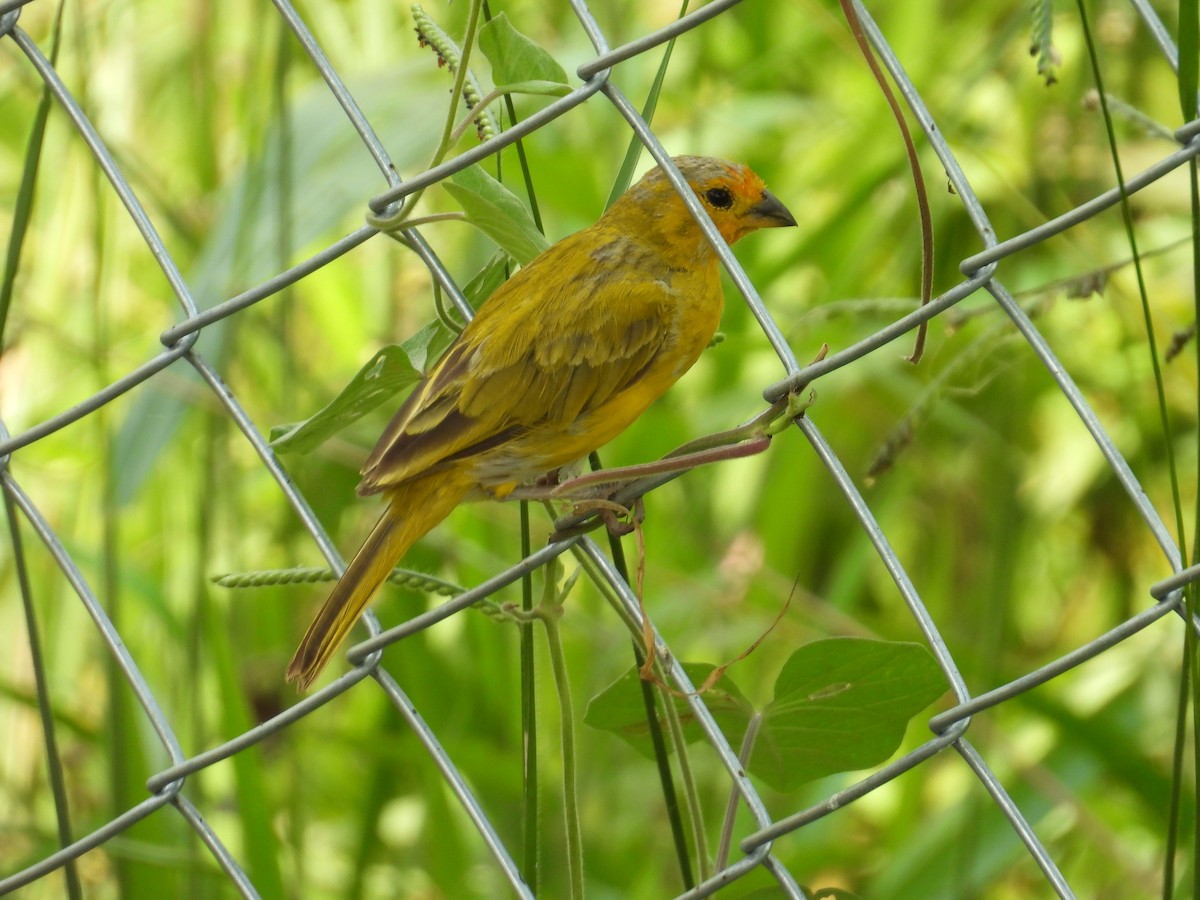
[167, 791]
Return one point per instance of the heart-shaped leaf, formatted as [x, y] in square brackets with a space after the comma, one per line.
[842, 704]
[619, 708]
[514, 57]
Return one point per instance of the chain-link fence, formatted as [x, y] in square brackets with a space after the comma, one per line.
[170, 786]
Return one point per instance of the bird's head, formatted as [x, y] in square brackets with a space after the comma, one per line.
[731, 193]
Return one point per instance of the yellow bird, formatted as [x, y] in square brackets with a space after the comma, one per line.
[560, 360]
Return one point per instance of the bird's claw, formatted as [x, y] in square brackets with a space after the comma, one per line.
[619, 520]
[621, 523]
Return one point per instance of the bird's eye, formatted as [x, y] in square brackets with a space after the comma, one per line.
[719, 197]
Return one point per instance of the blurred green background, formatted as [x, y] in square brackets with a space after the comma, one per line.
[1016, 534]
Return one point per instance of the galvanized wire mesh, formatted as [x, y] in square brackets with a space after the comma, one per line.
[169, 787]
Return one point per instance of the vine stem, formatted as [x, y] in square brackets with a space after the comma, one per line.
[444, 145]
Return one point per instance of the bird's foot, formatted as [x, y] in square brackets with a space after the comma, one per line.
[620, 520]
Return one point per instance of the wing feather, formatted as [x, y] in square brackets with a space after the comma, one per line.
[552, 343]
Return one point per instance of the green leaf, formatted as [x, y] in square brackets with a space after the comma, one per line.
[427, 346]
[390, 371]
[619, 708]
[841, 704]
[496, 211]
[484, 282]
[514, 57]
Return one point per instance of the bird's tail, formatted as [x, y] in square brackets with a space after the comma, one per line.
[414, 508]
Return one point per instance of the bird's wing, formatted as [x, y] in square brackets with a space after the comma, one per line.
[560, 338]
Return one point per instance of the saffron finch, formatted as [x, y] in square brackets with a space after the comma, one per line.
[561, 358]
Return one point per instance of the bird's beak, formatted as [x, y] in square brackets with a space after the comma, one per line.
[770, 213]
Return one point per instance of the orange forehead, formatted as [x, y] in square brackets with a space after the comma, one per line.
[742, 180]
[702, 173]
